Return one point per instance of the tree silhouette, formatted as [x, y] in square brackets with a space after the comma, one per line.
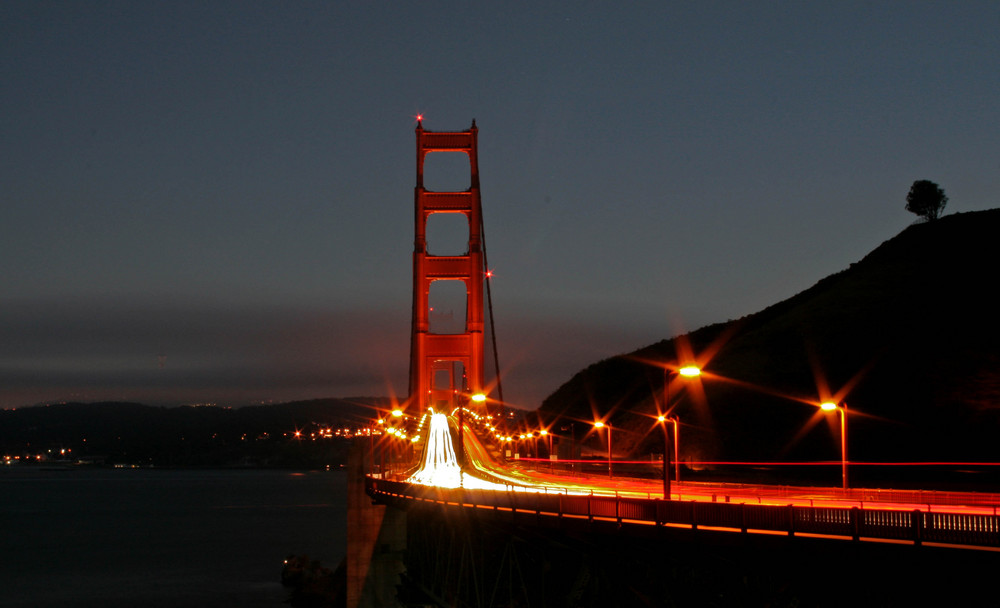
[926, 199]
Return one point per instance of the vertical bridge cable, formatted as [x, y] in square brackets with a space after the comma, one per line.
[489, 303]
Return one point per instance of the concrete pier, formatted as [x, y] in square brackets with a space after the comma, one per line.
[376, 540]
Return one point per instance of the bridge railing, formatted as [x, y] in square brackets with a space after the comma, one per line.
[858, 523]
[867, 495]
[597, 469]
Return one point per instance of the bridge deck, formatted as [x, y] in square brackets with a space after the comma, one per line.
[870, 522]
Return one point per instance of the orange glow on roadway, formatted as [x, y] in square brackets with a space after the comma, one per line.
[440, 468]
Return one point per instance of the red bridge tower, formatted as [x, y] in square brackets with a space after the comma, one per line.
[443, 365]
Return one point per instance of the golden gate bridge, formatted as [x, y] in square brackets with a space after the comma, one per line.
[445, 444]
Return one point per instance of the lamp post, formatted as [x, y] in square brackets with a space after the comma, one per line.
[841, 409]
[548, 445]
[600, 425]
[689, 371]
[572, 447]
[664, 420]
[396, 453]
[462, 400]
[571, 427]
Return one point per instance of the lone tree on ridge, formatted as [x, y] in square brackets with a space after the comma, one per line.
[926, 199]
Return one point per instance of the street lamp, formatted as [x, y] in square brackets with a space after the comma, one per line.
[841, 409]
[688, 371]
[600, 425]
[464, 399]
[547, 440]
[664, 420]
[571, 427]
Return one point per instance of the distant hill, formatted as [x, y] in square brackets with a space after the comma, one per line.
[911, 330]
[186, 436]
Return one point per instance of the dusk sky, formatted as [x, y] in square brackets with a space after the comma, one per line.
[213, 201]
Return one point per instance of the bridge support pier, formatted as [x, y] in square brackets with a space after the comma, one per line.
[376, 542]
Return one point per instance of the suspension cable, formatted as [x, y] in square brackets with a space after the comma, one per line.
[489, 300]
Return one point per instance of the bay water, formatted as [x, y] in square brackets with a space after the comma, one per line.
[113, 538]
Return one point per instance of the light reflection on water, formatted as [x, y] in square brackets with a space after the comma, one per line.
[179, 538]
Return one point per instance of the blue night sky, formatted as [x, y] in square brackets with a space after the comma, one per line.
[213, 201]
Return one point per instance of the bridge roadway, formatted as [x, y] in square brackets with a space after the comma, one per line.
[967, 520]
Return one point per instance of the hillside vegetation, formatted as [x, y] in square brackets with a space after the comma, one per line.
[908, 338]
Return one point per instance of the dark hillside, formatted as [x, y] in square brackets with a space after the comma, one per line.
[909, 336]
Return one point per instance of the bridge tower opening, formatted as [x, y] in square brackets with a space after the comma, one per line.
[445, 365]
